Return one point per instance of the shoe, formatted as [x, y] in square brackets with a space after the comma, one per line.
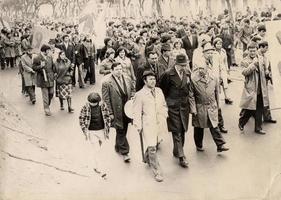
[240, 127]
[126, 158]
[70, 110]
[159, 178]
[229, 81]
[62, 108]
[223, 130]
[48, 113]
[222, 148]
[81, 86]
[33, 102]
[228, 101]
[104, 176]
[201, 149]
[183, 162]
[273, 121]
[260, 132]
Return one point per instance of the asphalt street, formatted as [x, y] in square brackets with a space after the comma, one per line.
[246, 171]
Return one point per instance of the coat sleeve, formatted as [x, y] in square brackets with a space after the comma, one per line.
[137, 108]
[103, 69]
[25, 66]
[106, 96]
[191, 98]
[36, 64]
[82, 119]
[248, 69]
[164, 110]
[217, 91]
[164, 83]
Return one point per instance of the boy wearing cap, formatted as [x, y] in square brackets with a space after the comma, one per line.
[149, 118]
[95, 127]
[45, 73]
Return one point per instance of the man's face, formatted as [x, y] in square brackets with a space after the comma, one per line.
[208, 54]
[150, 81]
[166, 53]
[117, 71]
[262, 33]
[66, 39]
[252, 52]
[28, 32]
[153, 58]
[264, 49]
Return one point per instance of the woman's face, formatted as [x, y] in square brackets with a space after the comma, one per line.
[122, 53]
[178, 45]
[111, 56]
[110, 43]
[62, 56]
[218, 45]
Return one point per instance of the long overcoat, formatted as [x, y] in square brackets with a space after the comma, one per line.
[28, 72]
[111, 95]
[253, 69]
[176, 93]
[150, 115]
[49, 69]
[204, 99]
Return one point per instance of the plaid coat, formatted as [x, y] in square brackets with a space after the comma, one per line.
[85, 118]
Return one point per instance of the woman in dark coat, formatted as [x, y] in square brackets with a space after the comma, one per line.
[63, 71]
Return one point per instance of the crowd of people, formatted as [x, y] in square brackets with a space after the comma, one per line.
[168, 68]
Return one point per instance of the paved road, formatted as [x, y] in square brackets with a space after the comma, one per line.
[245, 172]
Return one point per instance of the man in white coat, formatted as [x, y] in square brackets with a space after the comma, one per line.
[150, 115]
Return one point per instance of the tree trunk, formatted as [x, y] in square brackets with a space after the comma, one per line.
[230, 10]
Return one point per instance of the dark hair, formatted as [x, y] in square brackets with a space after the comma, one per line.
[115, 64]
[151, 52]
[121, 49]
[65, 36]
[59, 56]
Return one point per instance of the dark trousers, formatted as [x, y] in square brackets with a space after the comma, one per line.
[121, 142]
[10, 61]
[90, 67]
[2, 62]
[178, 140]
[228, 58]
[220, 118]
[31, 92]
[80, 75]
[23, 88]
[266, 114]
[199, 135]
[246, 114]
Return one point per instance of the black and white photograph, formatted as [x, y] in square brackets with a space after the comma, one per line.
[140, 99]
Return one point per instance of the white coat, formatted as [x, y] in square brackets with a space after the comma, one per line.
[150, 115]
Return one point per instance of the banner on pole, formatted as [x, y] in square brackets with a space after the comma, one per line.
[41, 35]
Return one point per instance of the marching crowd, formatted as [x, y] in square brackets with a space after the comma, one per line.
[167, 68]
